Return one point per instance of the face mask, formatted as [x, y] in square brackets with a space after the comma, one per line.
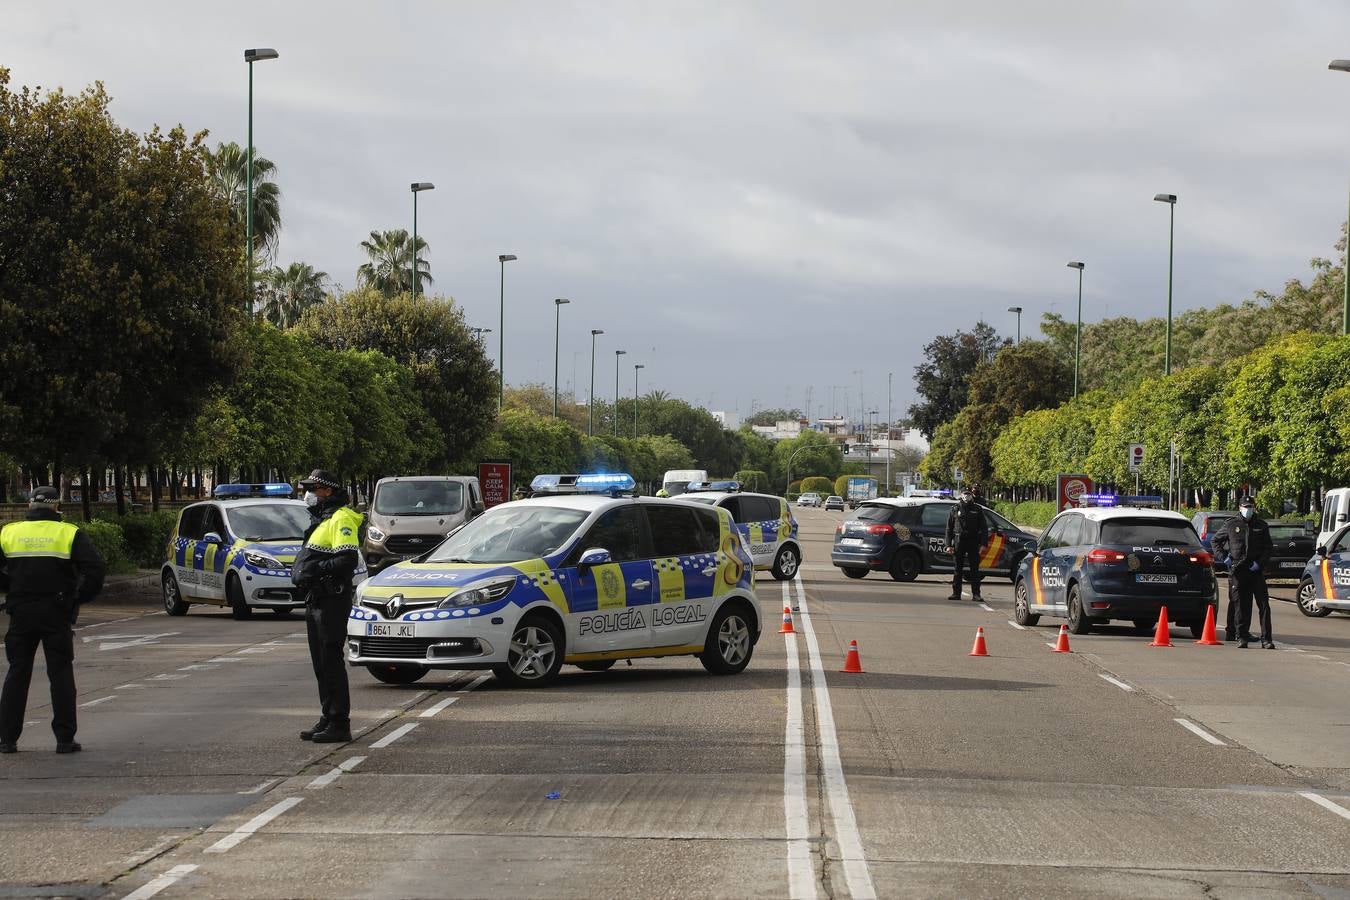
[1246, 512]
[311, 499]
[966, 498]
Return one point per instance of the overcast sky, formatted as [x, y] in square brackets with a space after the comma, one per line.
[757, 199]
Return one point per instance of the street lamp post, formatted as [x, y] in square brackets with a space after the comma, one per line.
[501, 331]
[635, 397]
[250, 57]
[1018, 310]
[867, 436]
[1171, 201]
[479, 332]
[1078, 329]
[558, 304]
[890, 451]
[1343, 65]
[417, 188]
[590, 401]
[617, 354]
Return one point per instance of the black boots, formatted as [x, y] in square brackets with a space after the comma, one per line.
[68, 747]
[339, 731]
[308, 734]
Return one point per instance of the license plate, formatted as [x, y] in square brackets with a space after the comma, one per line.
[850, 542]
[1291, 565]
[1156, 579]
[394, 630]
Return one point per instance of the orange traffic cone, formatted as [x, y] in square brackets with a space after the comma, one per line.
[1162, 637]
[1208, 637]
[1062, 645]
[787, 622]
[979, 648]
[852, 662]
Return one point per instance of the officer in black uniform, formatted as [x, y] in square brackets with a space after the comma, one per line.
[1245, 541]
[967, 532]
[48, 569]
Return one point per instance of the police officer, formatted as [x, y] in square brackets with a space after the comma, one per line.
[967, 532]
[323, 570]
[48, 568]
[1245, 541]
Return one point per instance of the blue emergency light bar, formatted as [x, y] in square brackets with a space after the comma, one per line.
[729, 486]
[240, 491]
[1099, 499]
[1142, 500]
[597, 483]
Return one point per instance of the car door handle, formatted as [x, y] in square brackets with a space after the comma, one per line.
[710, 571]
[642, 584]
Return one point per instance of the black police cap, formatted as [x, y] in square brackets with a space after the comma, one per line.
[321, 478]
[45, 494]
[1247, 501]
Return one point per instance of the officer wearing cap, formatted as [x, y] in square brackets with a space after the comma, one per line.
[967, 532]
[48, 568]
[323, 570]
[1245, 541]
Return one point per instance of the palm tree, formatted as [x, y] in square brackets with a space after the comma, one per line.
[227, 168]
[291, 291]
[388, 269]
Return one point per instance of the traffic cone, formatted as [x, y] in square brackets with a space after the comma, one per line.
[1162, 637]
[787, 622]
[979, 648]
[852, 662]
[1062, 645]
[1208, 637]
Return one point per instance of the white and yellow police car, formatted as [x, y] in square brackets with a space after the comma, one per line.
[764, 521]
[578, 574]
[236, 550]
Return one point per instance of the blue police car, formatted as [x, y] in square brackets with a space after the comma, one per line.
[1324, 586]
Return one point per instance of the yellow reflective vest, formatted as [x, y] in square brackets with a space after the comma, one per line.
[37, 537]
[340, 531]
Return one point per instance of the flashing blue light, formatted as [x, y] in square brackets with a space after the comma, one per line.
[729, 486]
[942, 492]
[595, 483]
[1100, 499]
[237, 491]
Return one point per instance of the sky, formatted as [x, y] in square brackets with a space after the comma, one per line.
[760, 202]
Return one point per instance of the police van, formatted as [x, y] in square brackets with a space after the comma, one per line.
[764, 521]
[581, 573]
[236, 550]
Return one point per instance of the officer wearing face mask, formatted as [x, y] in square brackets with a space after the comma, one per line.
[967, 532]
[1245, 540]
[323, 570]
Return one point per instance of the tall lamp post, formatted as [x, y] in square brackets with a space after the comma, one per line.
[590, 401]
[1018, 311]
[1343, 65]
[867, 436]
[250, 57]
[890, 451]
[1078, 329]
[479, 332]
[1171, 201]
[636, 368]
[617, 354]
[417, 188]
[501, 331]
[558, 304]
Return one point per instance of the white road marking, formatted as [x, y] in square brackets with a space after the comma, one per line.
[986, 606]
[197, 667]
[256, 650]
[240, 834]
[221, 659]
[475, 683]
[260, 788]
[115, 621]
[123, 641]
[801, 875]
[98, 701]
[431, 711]
[1120, 684]
[153, 887]
[856, 874]
[1015, 625]
[165, 676]
[130, 687]
[1326, 804]
[329, 777]
[393, 736]
[1196, 729]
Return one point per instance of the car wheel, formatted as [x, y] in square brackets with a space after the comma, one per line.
[730, 642]
[390, 673]
[854, 573]
[535, 654]
[174, 604]
[1078, 622]
[596, 665]
[1144, 626]
[234, 596]
[1307, 592]
[787, 562]
[906, 565]
[1022, 613]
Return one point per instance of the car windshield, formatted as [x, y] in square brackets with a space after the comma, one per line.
[268, 521]
[419, 498]
[1287, 532]
[708, 500]
[510, 533]
[1149, 533]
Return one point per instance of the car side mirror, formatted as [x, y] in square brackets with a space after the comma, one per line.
[212, 538]
[1321, 550]
[596, 556]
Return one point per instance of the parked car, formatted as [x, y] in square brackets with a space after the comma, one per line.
[1325, 584]
[834, 501]
[410, 515]
[1292, 545]
[1209, 523]
[810, 498]
[1335, 513]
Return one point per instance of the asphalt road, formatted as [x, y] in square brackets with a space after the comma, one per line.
[1117, 770]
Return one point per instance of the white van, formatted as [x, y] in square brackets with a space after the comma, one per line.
[677, 481]
[1335, 513]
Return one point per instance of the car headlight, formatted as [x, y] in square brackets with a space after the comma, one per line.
[262, 560]
[486, 592]
[375, 534]
[359, 594]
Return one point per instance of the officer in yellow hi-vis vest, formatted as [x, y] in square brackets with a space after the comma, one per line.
[324, 569]
[47, 569]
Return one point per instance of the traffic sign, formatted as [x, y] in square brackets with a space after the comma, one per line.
[1135, 459]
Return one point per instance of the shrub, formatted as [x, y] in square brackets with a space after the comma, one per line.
[753, 480]
[107, 538]
[144, 535]
[820, 485]
[1033, 513]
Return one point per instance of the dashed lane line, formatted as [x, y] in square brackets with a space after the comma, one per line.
[1326, 804]
[1015, 625]
[98, 701]
[167, 880]
[242, 833]
[332, 775]
[258, 789]
[431, 711]
[472, 685]
[1197, 730]
[801, 874]
[393, 736]
[1118, 683]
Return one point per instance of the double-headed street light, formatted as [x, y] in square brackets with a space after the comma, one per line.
[417, 188]
[636, 367]
[1171, 201]
[501, 332]
[250, 57]
[617, 354]
[479, 332]
[1078, 329]
[558, 304]
[1018, 310]
[590, 401]
[1343, 65]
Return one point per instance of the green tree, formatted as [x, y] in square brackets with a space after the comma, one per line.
[773, 416]
[810, 452]
[942, 381]
[227, 171]
[388, 268]
[291, 291]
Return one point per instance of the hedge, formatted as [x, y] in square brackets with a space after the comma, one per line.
[1033, 513]
[145, 535]
[107, 538]
[817, 484]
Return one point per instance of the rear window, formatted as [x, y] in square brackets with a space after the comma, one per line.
[1149, 533]
[1287, 532]
[877, 513]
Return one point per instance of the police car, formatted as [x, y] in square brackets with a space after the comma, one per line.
[906, 537]
[236, 550]
[764, 521]
[1097, 564]
[1325, 584]
[578, 574]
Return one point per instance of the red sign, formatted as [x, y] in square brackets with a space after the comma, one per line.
[495, 480]
[1070, 491]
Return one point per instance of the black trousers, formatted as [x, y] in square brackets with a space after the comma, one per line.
[966, 558]
[1249, 586]
[326, 626]
[48, 624]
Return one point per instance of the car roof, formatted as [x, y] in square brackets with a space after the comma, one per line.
[248, 501]
[1218, 512]
[393, 478]
[1104, 513]
[593, 502]
[714, 496]
[905, 501]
